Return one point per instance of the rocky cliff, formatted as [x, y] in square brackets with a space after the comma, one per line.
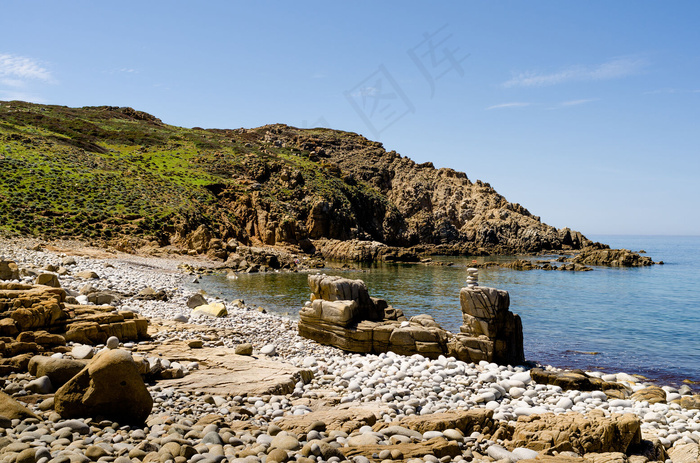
[123, 177]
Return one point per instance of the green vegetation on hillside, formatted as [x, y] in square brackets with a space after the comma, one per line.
[107, 172]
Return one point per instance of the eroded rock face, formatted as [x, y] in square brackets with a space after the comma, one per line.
[343, 315]
[344, 420]
[490, 331]
[110, 387]
[32, 307]
[577, 433]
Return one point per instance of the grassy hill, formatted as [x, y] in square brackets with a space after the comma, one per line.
[110, 173]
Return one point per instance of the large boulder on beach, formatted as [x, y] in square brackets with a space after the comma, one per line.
[109, 387]
[577, 380]
[215, 309]
[574, 432]
[59, 370]
[651, 394]
[48, 279]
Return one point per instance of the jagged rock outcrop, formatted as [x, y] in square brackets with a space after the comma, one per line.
[342, 314]
[430, 206]
[490, 330]
[611, 258]
[364, 251]
[35, 319]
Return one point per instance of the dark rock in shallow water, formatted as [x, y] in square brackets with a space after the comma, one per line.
[573, 380]
[611, 258]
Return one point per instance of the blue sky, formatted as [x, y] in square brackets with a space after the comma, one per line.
[587, 113]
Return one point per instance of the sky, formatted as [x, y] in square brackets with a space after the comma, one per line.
[586, 113]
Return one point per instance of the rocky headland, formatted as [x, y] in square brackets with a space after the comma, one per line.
[243, 386]
[123, 179]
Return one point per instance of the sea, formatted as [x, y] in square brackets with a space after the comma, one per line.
[642, 321]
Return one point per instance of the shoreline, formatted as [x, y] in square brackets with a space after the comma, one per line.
[179, 267]
[342, 378]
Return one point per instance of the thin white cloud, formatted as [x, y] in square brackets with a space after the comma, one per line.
[17, 83]
[515, 104]
[613, 69]
[21, 67]
[578, 102]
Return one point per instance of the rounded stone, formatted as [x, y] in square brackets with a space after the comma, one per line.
[277, 455]
[244, 349]
[112, 342]
[82, 352]
[269, 349]
[286, 442]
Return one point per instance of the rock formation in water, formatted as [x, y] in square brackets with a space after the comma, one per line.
[342, 314]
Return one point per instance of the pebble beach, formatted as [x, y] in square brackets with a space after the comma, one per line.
[396, 386]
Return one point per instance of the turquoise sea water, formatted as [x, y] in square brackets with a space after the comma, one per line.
[638, 320]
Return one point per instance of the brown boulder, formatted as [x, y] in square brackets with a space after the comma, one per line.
[59, 371]
[690, 402]
[14, 364]
[685, 453]
[8, 270]
[464, 420]
[438, 447]
[8, 327]
[10, 408]
[577, 433]
[48, 279]
[651, 394]
[110, 387]
[344, 420]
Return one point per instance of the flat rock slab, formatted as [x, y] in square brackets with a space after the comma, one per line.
[345, 420]
[465, 420]
[437, 446]
[222, 372]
